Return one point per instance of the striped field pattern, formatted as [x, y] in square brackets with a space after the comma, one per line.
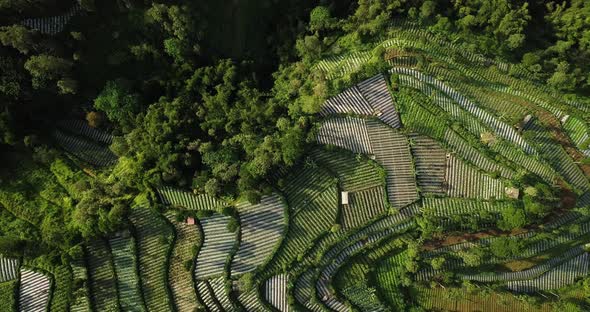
[251, 301]
[54, 24]
[578, 132]
[88, 151]
[392, 151]
[179, 278]
[188, 200]
[466, 181]
[103, 283]
[555, 155]
[525, 274]
[81, 127]
[262, 226]
[363, 206]
[377, 94]
[500, 128]
[275, 292]
[8, 269]
[124, 260]
[305, 292]
[217, 245]
[207, 296]
[560, 276]
[81, 302]
[33, 295]
[469, 153]
[312, 198]
[348, 101]
[218, 287]
[444, 207]
[154, 237]
[354, 173]
[430, 162]
[346, 132]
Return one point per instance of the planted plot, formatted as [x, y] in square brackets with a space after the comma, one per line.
[217, 246]
[463, 149]
[188, 200]
[354, 173]
[377, 94]
[54, 24]
[555, 155]
[207, 296]
[8, 269]
[578, 132]
[124, 259]
[349, 101]
[180, 276]
[363, 206]
[62, 287]
[445, 207]
[88, 151]
[217, 285]
[103, 283]
[305, 292]
[33, 295]
[338, 255]
[531, 164]
[465, 181]
[81, 295]
[346, 132]
[313, 206]
[362, 179]
[154, 237]
[454, 299]
[500, 128]
[275, 292]
[562, 275]
[251, 301]
[525, 274]
[430, 163]
[388, 281]
[392, 151]
[262, 226]
[81, 127]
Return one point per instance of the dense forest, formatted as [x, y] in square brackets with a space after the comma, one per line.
[220, 97]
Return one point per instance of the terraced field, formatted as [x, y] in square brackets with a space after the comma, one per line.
[440, 183]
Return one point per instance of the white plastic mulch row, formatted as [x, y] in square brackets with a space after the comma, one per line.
[33, 293]
[53, 24]
[466, 181]
[188, 200]
[8, 269]
[262, 226]
[82, 128]
[275, 292]
[217, 246]
[347, 132]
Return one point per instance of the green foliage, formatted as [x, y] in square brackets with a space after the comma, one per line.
[8, 296]
[118, 102]
[18, 37]
[320, 19]
[46, 68]
[512, 218]
[506, 248]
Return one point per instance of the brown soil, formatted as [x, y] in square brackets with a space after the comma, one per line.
[446, 240]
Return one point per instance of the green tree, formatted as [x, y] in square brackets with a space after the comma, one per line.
[45, 68]
[119, 103]
[18, 37]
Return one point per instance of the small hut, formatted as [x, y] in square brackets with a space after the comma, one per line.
[344, 198]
